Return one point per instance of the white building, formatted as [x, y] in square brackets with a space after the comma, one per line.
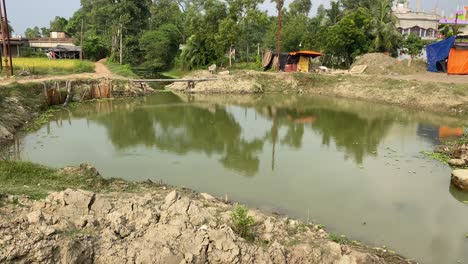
[424, 25]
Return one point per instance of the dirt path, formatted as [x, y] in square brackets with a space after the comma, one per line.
[101, 71]
[431, 77]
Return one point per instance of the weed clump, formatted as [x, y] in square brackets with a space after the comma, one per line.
[243, 223]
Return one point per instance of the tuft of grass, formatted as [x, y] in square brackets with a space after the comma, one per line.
[340, 239]
[444, 158]
[242, 223]
[175, 73]
[45, 66]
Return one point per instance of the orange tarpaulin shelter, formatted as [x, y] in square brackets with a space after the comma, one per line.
[458, 61]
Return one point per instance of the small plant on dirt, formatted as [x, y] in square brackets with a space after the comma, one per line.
[242, 223]
[444, 158]
[338, 239]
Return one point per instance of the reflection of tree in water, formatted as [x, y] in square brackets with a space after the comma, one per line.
[183, 128]
[357, 136]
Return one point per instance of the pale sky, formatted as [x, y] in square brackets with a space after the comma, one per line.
[30, 13]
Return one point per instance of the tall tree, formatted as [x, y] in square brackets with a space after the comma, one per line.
[58, 24]
[32, 33]
[383, 29]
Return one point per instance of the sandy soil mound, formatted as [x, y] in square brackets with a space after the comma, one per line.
[238, 82]
[381, 64]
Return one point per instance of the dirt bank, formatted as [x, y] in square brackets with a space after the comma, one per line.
[22, 103]
[152, 223]
[432, 96]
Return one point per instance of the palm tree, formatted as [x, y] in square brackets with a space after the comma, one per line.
[383, 29]
[334, 13]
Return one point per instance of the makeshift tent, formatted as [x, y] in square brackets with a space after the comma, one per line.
[300, 60]
[289, 62]
[438, 52]
[458, 61]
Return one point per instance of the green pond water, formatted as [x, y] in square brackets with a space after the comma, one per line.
[354, 167]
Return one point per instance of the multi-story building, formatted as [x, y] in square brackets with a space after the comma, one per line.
[424, 25]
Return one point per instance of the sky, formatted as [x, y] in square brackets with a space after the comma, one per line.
[30, 13]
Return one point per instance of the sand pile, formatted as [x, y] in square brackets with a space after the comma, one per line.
[381, 64]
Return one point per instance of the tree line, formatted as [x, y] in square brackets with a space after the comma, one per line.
[161, 34]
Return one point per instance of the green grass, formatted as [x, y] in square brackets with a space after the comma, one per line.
[444, 158]
[124, 70]
[246, 66]
[339, 239]
[45, 66]
[36, 181]
[175, 73]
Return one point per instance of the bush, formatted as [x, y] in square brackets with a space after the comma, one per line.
[242, 223]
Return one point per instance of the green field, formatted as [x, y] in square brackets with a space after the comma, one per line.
[45, 66]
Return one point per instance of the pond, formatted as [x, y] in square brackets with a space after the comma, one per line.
[355, 167]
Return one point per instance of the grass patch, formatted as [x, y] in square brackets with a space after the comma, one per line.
[36, 181]
[444, 158]
[45, 66]
[340, 239]
[175, 73]
[124, 70]
[246, 66]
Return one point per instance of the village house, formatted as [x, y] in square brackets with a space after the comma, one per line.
[58, 42]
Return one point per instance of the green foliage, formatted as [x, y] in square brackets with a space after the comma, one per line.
[124, 70]
[349, 38]
[413, 46]
[242, 223]
[340, 239]
[160, 47]
[32, 33]
[59, 24]
[95, 46]
[444, 158]
[386, 35]
[153, 31]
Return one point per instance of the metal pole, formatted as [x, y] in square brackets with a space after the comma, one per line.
[279, 34]
[8, 36]
[2, 26]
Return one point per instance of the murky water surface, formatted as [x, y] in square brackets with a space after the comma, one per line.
[354, 167]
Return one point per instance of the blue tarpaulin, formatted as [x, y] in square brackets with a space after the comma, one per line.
[438, 51]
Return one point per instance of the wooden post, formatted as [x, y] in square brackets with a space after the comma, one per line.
[121, 44]
[81, 40]
[230, 54]
[57, 88]
[46, 95]
[8, 36]
[2, 26]
[69, 88]
[279, 34]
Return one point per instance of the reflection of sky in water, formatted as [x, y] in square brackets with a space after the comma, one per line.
[318, 157]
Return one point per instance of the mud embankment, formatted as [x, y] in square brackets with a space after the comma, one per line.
[22, 103]
[432, 96]
[159, 224]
